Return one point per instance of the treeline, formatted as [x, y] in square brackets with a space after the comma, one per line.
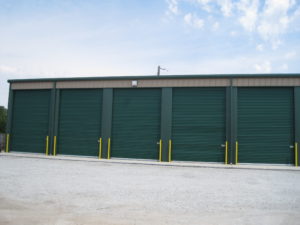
[3, 118]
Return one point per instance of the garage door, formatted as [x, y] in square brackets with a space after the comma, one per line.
[265, 125]
[198, 124]
[79, 122]
[136, 123]
[30, 122]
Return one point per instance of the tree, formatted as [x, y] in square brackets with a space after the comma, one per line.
[3, 118]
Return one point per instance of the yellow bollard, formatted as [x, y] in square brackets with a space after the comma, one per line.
[100, 148]
[108, 149]
[296, 154]
[170, 150]
[7, 142]
[160, 149]
[236, 152]
[47, 145]
[226, 152]
[54, 146]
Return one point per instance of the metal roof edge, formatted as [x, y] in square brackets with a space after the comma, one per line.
[140, 77]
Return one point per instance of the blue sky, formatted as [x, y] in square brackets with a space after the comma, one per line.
[64, 38]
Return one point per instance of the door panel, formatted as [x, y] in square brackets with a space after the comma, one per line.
[30, 120]
[265, 125]
[136, 123]
[79, 122]
[198, 124]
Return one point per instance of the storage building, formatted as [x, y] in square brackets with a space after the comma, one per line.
[208, 118]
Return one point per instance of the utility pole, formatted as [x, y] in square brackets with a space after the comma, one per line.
[159, 69]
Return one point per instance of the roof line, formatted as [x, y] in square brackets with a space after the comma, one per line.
[139, 77]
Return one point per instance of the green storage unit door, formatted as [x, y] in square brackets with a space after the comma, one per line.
[265, 125]
[136, 123]
[30, 121]
[198, 124]
[79, 122]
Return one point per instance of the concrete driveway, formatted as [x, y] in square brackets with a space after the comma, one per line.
[65, 192]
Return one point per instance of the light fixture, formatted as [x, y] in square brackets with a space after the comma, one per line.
[134, 83]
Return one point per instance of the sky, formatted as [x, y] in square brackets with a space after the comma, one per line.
[78, 38]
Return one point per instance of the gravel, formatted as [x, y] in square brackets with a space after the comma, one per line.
[64, 192]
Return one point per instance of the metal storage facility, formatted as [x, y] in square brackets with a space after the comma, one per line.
[208, 118]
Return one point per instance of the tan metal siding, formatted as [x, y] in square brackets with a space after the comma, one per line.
[94, 84]
[145, 83]
[265, 82]
[184, 83]
[151, 83]
[32, 85]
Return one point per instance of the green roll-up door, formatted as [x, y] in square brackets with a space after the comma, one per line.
[79, 122]
[198, 124]
[30, 122]
[265, 125]
[136, 123]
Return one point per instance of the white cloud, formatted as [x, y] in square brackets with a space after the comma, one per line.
[260, 47]
[173, 6]
[249, 16]
[7, 69]
[274, 20]
[275, 42]
[269, 19]
[264, 67]
[284, 67]
[215, 26]
[270, 22]
[188, 18]
[204, 2]
[233, 33]
[226, 7]
[295, 20]
[205, 5]
[290, 55]
[193, 20]
[236, 64]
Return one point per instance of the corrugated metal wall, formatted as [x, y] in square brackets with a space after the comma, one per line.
[265, 125]
[79, 119]
[136, 123]
[198, 128]
[30, 121]
[152, 83]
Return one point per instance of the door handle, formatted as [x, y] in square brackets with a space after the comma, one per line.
[291, 146]
[223, 145]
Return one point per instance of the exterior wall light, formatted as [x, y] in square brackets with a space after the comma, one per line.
[134, 83]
